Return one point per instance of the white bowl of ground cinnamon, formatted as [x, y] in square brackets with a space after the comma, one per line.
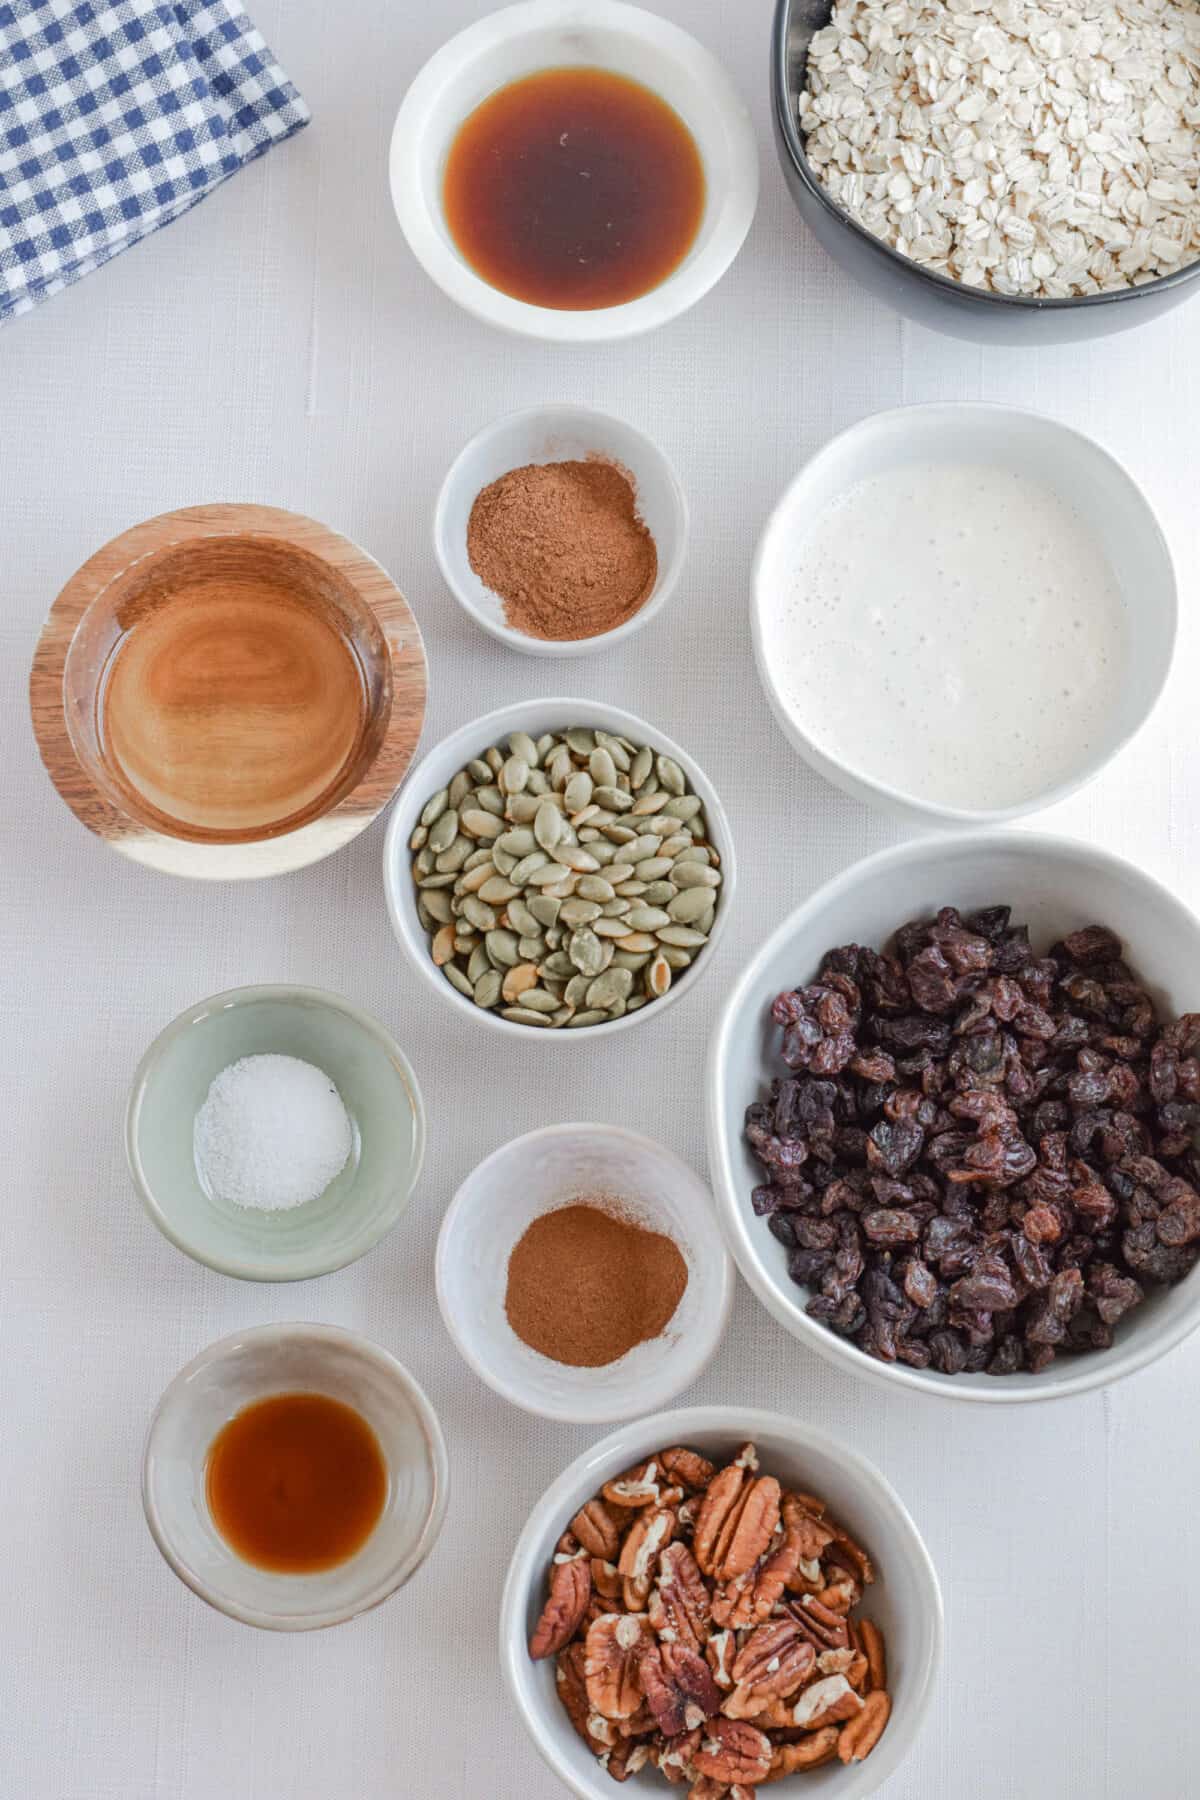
[582, 1275]
[561, 530]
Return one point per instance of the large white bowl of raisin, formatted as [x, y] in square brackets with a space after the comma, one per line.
[952, 1112]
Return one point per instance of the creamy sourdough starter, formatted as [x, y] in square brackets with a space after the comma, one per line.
[951, 630]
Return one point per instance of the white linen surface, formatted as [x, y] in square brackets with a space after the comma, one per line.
[280, 345]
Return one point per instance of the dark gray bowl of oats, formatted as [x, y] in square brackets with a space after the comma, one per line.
[992, 186]
[952, 1109]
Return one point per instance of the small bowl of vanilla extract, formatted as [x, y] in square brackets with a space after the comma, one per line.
[574, 174]
[294, 1476]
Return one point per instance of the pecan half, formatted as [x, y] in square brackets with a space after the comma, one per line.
[826, 1702]
[613, 1648]
[637, 1487]
[732, 1751]
[812, 1750]
[827, 1630]
[688, 1469]
[806, 1531]
[606, 1581]
[570, 1591]
[650, 1532]
[772, 1664]
[679, 1688]
[839, 1596]
[673, 1758]
[627, 1759]
[736, 1522]
[572, 1692]
[861, 1735]
[871, 1639]
[597, 1530]
[850, 1555]
[680, 1610]
[720, 1651]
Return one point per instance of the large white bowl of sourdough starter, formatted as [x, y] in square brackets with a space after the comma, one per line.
[962, 612]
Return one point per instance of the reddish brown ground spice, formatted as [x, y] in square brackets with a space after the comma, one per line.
[586, 1283]
[564, 548]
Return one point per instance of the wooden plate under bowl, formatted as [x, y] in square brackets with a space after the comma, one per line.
[228, 691]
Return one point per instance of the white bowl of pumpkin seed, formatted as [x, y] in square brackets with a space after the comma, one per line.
[559, 864]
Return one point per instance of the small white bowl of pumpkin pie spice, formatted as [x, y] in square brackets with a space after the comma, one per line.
[582, 1274]
[561, 530]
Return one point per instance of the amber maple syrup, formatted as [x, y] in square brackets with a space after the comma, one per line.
[574, 188]
[296, 1483]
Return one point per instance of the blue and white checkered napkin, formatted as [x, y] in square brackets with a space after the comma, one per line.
[115, 117]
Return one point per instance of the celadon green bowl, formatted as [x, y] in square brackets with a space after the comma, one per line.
[378, 1089]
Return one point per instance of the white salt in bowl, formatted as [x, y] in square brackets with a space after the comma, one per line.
[546, 434]
[537, 1174]
[377, 1087]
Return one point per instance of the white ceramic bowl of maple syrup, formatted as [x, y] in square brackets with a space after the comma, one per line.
[528, 40]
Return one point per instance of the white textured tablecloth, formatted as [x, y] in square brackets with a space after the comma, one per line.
[280, 345]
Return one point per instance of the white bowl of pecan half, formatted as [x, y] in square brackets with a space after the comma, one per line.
[727, 1599]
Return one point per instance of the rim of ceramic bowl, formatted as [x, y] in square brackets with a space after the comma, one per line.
[435, 1448]
[733, 1200]
[288, 993]
[893, 799]
[623, 1448]
[689, 1364]
[733, 186]
[791, 138]
[666, 581]
[457, 749]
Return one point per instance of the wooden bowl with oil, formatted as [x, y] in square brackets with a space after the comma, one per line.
[228, 692]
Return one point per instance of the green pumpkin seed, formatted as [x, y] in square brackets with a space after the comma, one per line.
[637, 942]
[502, 949]
[616, 908]
[619, 834]
[493, 759]
[503, 863]
[592, 1017]
[538, 1000]
[465, 942]
[437, 904]
[629, 959]
[688, 850]
[428, 922]
[429, 882]
[639, 768]
[478, 913]
[695, 875]
[602, 768]
[578, 792]
[521, 744]
[545, 744]
[607, 989]
[522, 920]
[674, 957]
[653, 868]
[585, 951]
[577, 858]
[519, 842]
[490, 799]
[455, 857]
[662, 826]
[575, 989]
[477, 858]
[594, 887]
[419, 839]
[685, 806]
[480, 824]
[434, 807]
[479, 771]
[619, 871]
[579, 742]
[620, 749]
[641, 849]
[614, 798]
[658, 893]
[579, 912]
[682, 936]
[523, 1015]
[471, 880]
[486, 991]
[423, 862]
[670, 774]
[689, 906]
[548, 825]
[531, 948]
[522, 808]
[658, 976]
[611, 928]
[456, 978]
[444, 831]
[497, 891]
[635, 1001]
[649, 803]
[514, 775]
[538, 783]
[545, 909]
[557, 967]
[459, 788]
[649, 918]
[479, 963]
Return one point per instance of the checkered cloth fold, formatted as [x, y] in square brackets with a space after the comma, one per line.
[115, 117]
